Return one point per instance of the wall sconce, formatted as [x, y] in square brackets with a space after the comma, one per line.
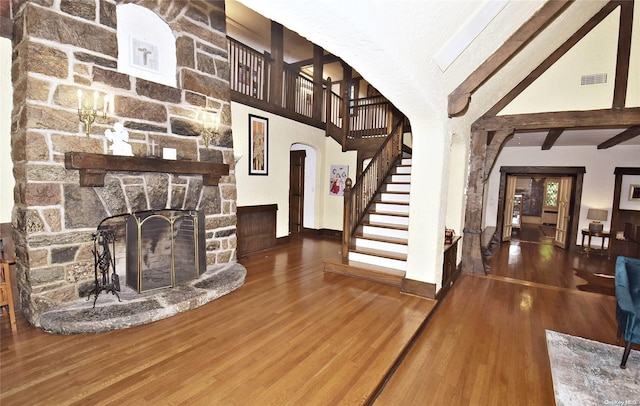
[88, 114]
[597, 215]
[210, 127]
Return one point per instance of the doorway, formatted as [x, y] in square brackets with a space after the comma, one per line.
[296, 191]
[545, 198]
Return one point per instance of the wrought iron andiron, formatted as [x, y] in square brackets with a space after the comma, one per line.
[103, 261]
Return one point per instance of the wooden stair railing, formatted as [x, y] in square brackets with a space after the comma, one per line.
[360, 195]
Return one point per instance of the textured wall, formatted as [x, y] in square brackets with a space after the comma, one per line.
[60, 47]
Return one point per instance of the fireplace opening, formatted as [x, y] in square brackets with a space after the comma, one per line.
[158, 249]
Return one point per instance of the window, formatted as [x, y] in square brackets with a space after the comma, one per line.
[551, 193]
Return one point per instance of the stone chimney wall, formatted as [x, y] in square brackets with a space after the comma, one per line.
[63, 46]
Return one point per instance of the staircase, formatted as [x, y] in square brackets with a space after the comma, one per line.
[380, 252]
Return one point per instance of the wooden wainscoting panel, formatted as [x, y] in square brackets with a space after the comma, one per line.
[256, 229]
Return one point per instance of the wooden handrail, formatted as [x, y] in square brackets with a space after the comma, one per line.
[359, 196]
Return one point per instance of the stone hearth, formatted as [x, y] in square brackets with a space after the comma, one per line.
[136, 309]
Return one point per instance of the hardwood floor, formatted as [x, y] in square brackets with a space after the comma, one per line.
[293, 335]
[290, 335]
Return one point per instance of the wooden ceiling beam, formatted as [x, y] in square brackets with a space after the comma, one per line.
[328, 58]
[606, 118]
[626, 135]
[554, 57]
[624, 54]
[460, 98]
[551, 138]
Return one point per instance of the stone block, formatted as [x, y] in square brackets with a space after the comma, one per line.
[79, 271]
[67, 143]
[205, 84]
[38, 89]
[63, 255]
[42, 194]
[94, 60]
[111, 78]
[38, 258]
[206, 64]
[158, 91]
[214, 222]
[38, 149]
[80, 8]
[210, 202]
[182, 126]
[47, 61]
[53, 218]
[46, 24]
[46, 117]
[185, 49]
[128, 107]
[46, 275]
[82, 207]
[195, 99]
[108, 14]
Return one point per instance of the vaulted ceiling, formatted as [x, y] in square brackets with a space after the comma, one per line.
[603, 42]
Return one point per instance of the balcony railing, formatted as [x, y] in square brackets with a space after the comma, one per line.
[250, 76]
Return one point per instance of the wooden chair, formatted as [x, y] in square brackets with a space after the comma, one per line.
[6, 295]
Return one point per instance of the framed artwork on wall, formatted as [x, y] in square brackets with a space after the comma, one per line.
[338, 179]
[634, 193]
[258, 145]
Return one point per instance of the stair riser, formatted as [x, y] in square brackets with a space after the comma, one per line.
[405, 170]
[386, 219]
[406, 161]
[384, 232]
[392, 208]
[373, 260]
[394, 197]
[383, 246]
[398, 188]
[401, 178]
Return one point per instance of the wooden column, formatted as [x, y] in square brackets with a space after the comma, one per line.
[318, 65]
[347, 73]
[277, 68]
[484, 151]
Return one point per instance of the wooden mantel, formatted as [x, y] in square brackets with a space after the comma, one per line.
[93, 167]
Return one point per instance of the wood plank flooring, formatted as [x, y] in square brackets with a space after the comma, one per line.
[295, 336]
[292, 335]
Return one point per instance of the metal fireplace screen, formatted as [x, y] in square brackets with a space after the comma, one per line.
[164, 248]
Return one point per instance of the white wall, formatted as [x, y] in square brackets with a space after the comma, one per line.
[6, 105]
[274, 188]
[599, 179]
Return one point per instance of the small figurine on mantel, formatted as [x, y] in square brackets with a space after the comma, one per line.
[119, 138]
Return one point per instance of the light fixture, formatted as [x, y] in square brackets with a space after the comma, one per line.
[210, 127]
[597, 215]
[88, 113]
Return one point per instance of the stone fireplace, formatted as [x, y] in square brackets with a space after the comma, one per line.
[57, 210]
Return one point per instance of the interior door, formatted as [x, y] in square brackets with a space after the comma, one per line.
[296, 190]
[562, 224]
[509, 201]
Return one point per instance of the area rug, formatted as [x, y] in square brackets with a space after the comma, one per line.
[587, 372]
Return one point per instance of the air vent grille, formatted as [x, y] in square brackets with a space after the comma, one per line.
[594, 79]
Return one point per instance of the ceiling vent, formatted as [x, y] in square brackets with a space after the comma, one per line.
[594, 79]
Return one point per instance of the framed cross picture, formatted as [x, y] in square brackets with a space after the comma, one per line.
[258, 145]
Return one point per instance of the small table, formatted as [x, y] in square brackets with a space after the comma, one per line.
[605, 235]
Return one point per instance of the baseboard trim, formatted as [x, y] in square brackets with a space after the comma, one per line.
[418, 288]
[323, 232]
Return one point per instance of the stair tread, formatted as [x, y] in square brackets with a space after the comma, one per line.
[389, 213]
[380, 253]
[387, 225]
[399, 202]
[380, 238]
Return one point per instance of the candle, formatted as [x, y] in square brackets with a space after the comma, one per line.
[105, 102]
[79, 99]
[95, 100]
